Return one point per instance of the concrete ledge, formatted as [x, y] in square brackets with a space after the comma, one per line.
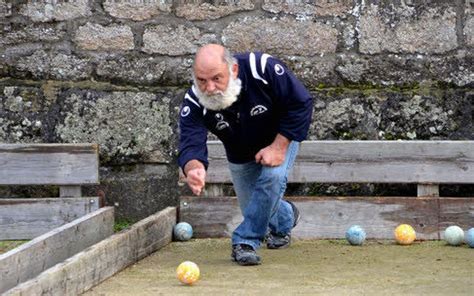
[99, 262]
[29, 260]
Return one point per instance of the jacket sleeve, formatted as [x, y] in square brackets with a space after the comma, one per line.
[193, 133]
[295, 101]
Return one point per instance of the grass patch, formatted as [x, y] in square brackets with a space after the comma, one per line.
[122, 224]
[6, 246]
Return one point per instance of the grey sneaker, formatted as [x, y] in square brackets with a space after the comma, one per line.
[275, 241]
[245, 255]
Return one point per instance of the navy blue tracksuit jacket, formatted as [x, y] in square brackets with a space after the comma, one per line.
[271, 101]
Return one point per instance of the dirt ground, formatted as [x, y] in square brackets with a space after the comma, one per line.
[308, 267]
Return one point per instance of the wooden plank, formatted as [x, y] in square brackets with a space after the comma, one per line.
[34, 257]
[329, 217]
[27, 218]
[99, 262]
[41, 164]
[435, 162]
[70, 191]
[210, 216]
[456, 211]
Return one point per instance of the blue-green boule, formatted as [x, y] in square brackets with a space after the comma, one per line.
[355, 235]
[470, 237]
[183, 231]
[454, 235]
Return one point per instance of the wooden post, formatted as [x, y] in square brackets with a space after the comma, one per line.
[431, 190]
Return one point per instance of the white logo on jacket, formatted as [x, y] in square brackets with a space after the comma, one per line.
[185, 111]
[221, 124]
[259, 109]
[279, 70]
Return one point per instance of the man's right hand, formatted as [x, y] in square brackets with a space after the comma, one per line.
[195, 176]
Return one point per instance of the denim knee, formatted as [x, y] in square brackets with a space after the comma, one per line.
[273, 180]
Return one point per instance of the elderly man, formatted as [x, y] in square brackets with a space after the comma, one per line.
[260, 112]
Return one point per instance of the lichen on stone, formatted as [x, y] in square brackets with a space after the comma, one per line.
[127, 125]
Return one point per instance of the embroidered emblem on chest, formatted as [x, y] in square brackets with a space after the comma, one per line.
[221, 123]
[259, 109]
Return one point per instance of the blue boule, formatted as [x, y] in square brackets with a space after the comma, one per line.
[470, 238]
[355, 235]
[183, 231]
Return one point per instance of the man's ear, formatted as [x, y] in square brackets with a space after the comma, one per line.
[235, 70]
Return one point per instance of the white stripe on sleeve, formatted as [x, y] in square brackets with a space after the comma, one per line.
[263, 61]
[253, 68]
[188, 97]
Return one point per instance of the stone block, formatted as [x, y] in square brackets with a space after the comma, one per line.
[280, 36]
[32, 33]
[46, 11]
[309, 8]
[128, 126]
[137, 10]
[211, 10]
[314, 71]
[5, 8]
[469, 30]
[172, 40]
[170, 71]
[97, 37]
[23, 114]
[403, 70]
[51, 65]
[133, 70]
[421, 114]
[407, 30]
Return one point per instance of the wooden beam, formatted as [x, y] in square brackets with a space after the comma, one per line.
[30, 259]
[99, 262]
[456, 211]
[27, 218]
[44, 164]
[330, 217]
[438, 162]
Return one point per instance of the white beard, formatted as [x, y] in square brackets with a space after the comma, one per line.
[220, 99]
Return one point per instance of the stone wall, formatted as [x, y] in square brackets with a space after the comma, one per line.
[114, 73]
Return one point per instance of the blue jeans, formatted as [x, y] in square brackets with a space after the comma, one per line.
[260, 190]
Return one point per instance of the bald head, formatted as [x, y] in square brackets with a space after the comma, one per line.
[209, 56]
[213, 67]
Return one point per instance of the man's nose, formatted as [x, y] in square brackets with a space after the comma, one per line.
[210, 86]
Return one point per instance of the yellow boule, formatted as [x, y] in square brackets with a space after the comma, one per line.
[405, 234]
[188, 272]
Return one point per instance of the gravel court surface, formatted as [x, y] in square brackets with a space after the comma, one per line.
[308, 267]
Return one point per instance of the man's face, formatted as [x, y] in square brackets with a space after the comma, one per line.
[214, 79]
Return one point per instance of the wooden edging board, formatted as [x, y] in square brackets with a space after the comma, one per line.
[413, 162]
[49, 164]
[330, 217]
[32, 258]
[27, 218]
[102, 260]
